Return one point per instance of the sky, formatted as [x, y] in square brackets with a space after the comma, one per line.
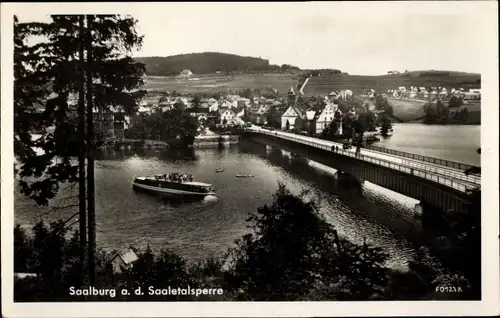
[358, 38]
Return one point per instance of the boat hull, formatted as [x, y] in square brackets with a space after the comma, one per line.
[169, 191]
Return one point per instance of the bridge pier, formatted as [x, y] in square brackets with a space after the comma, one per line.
[418, 210]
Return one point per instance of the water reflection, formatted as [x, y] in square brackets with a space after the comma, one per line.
[209, 227]
[367, 200]
[176, 200]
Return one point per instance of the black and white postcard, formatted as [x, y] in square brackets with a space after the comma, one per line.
[218, 159]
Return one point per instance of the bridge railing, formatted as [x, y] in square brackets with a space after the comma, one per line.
[436, 161]
[436, 169]
[385, 163]
[455, 174]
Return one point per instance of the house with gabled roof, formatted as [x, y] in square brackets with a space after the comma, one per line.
[124, 261]
[309, 122]
[226, 115]
[326, 116]
[214, 107]
[211, 101]
[290, 116]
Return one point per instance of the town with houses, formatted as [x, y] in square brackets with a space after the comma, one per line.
[286, 111]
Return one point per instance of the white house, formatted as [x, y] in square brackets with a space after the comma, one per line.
[186, 73]
[226, 115]
[144, 110]
[122, 262]
[289, 116]
[325, 118]
[238, 115]
[214, 107]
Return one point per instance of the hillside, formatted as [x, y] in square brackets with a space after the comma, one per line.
[222, 84]
[321, 85]
[202, 63]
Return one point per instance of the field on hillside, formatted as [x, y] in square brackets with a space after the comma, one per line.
[212, 84]
[407, 110]
[320, 85]
[410, 110]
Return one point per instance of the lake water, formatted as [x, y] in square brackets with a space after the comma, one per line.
[208, 228]
[449, 142]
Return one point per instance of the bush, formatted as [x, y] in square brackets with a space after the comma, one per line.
[293, 254]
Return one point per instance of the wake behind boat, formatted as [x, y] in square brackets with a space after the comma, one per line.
[173, 184]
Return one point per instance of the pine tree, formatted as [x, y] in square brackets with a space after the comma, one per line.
[50, 73]
[385, 125]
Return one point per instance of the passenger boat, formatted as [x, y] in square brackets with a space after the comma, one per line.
[173, 184]
[244, 175]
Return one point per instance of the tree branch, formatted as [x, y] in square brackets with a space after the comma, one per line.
[56, 208]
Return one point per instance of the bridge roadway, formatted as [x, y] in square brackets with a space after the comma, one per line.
[448, 176]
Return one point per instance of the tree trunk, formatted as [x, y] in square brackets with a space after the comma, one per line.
[81, 154]
[90, 157]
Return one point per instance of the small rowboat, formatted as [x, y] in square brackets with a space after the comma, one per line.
[220, 170]
[244, 175]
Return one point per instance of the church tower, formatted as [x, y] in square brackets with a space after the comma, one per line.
[291, 97]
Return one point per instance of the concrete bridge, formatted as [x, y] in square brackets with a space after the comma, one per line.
[436, 183]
